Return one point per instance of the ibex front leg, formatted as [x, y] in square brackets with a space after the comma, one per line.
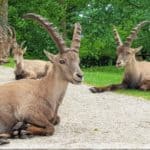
[145, 85]
[39, 125]
[112, 87]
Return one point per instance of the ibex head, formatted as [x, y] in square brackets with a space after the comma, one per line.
[18, 52]
[124, 51]
[67, 60]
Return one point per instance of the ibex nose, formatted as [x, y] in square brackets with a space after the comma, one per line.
[118, 63]
[79, 75]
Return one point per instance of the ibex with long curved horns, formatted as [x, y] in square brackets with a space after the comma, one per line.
[137, 73]
[37, 101]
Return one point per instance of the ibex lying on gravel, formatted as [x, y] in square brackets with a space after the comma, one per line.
[36, 102]
[29, 69]
[137, 73]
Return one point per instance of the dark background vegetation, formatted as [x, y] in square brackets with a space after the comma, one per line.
[96, 17]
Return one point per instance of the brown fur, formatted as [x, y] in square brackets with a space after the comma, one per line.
[137, 73]
[31, 69]
[36, 102]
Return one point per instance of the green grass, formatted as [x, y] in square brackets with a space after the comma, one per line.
[10, 63]
[102, 76]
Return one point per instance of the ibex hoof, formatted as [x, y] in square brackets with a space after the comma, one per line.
[25, 134]
[93, 89]
[57, 120]
[143, 88]
[4, 141]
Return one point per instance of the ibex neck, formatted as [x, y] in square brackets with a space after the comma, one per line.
[131, 66]
[20, 64]
[54, 85]
[132, 74]
[19, 67]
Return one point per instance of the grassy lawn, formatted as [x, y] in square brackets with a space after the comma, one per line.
[102, 76]
[10, 63]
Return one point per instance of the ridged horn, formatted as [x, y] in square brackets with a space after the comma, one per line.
[51, 30]
[13, 32]
[22, 44]
[117, 37]
[75, 45]
[134, 33]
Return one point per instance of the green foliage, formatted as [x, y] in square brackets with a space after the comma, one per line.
[99, 17]
[96, 17]
[102, 76]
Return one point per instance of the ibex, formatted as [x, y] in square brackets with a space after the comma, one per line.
[29, 69]
[137, 73]
[36, 102]
[6, 36]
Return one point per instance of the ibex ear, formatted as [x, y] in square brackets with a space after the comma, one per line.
[138, 49]
[49, 55]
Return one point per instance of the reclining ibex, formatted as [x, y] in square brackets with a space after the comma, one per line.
[24, 68]
[137, 73]
[29, 69]
[37, 101]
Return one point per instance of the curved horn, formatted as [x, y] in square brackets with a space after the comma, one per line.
[22, 44]
[75, 45]
[134, 33]
[12, 32]
[9, 31]
[51, 30]
[117, 37]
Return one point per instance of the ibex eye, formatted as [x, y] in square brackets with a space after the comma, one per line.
[128, 53]
[61, 61]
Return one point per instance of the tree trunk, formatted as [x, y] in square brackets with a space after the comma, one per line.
[4, 11]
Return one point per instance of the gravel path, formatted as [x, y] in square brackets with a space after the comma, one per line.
[106, 120]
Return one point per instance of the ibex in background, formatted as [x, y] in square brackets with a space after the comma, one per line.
[6, 42]
[137, 73]
[36, 102]
[29, 69]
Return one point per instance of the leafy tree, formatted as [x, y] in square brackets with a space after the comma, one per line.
[96, 17]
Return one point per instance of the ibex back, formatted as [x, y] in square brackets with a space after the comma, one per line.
[37, 101]
[137, 73]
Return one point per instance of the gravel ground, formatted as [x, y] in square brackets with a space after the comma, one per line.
[106, 120]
